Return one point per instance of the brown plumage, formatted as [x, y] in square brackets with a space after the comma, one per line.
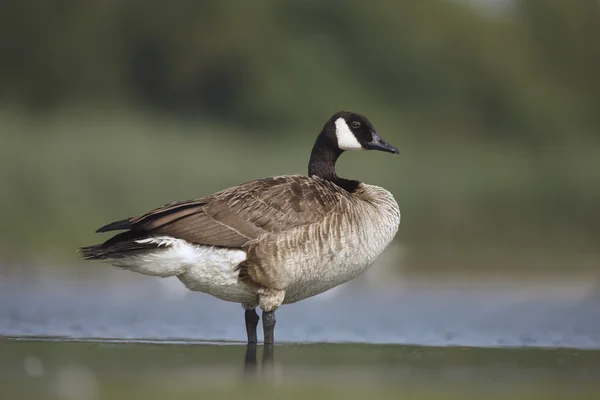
[235, 217]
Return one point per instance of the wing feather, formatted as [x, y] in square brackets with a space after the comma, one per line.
[235, 216]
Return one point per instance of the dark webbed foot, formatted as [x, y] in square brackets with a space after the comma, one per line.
[251, 324]
[269, 326]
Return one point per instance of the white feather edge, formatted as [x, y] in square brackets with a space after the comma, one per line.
[175, 256]
[201, 268]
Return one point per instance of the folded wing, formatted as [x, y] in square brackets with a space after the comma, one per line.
[237, 215]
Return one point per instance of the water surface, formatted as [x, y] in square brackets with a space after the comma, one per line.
[99, 333]
[121, 305]
[34, 369]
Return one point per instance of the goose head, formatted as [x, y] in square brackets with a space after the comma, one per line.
[353, 131]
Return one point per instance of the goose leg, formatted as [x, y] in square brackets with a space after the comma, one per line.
[269, 326]
[269, 300]
[251, 324]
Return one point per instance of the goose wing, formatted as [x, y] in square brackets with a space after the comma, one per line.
[239, 214]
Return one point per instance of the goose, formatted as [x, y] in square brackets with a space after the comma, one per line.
[271, 241]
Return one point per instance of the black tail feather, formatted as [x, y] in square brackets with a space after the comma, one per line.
[121, 245]
[116, 226]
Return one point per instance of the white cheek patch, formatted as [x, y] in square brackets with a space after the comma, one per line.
[345, 138]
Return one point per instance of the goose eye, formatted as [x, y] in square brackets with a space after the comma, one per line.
[355, 124]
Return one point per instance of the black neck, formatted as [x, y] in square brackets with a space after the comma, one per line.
[322, 163]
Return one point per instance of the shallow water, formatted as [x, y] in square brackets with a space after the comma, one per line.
[31, 369]
[119, 304]
[111, 334]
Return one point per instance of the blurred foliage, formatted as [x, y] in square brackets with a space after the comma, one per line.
[111, 107]
[528, 70]
[466, 203]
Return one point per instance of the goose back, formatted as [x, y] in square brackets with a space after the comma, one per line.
[234, 216]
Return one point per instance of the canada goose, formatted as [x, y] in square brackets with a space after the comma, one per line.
[270, 241]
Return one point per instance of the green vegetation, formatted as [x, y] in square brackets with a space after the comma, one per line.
[63, 178]
[528, 73]
[109, 108]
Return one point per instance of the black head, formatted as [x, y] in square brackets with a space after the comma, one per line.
[345, 130]
[353, 131]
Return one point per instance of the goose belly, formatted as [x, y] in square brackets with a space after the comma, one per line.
[324, 274]
[336, 260]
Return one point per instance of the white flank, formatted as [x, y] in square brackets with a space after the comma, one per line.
[345, 137]
[202, 268]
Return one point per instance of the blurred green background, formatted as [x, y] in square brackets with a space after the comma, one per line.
[109, 108]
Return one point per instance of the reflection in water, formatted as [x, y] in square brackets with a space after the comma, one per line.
[250, 359]
[250, 364]
[423, 372]
[31, 369]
